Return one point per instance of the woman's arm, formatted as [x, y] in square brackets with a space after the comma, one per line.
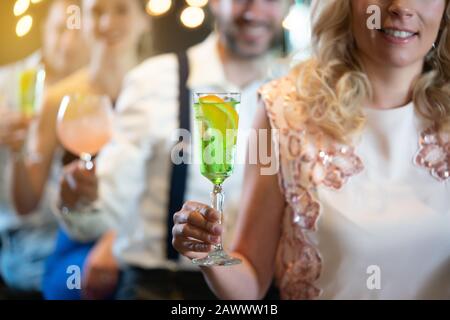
[101, 270]
[257, 236]
[113, 188]
[30, 174]
[116, 184]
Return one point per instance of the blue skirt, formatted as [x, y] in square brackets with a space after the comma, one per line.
[64, 268]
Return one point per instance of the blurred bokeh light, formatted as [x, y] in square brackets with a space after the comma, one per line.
[197, 3]
[192, 17]
[24, 25]
[158, 7]
[20, 7]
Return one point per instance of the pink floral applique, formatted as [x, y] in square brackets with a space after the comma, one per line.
[301, 262]
[333, 168]
[311, 161]
[434, 153]
[305, 209]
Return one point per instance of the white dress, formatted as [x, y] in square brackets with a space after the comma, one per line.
[368, 221]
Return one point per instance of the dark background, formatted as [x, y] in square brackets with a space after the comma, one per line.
[168, 32]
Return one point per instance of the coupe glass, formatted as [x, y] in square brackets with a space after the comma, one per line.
[84, 126]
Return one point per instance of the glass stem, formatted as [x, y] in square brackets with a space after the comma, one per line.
[86, 159]
[85, 204]
[217, 198]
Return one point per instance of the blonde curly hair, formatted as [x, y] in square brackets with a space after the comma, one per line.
[332, 86]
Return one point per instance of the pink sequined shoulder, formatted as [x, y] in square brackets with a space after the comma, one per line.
[308, 158]
[278, 96]
[434, 153]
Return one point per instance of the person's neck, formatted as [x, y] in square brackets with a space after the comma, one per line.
[241, 71]
[107, 70]
[391, 87]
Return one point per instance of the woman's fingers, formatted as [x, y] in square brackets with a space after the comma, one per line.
[185, 245]
[13, 132]
[196, 229]
[89, 193]
[13, 139]
[189, 231]
[78, 185]
[85, 178]
[80, 177]
[207, 212]
[14, 123]
[197, 219]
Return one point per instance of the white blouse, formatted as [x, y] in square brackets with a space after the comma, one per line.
[365, 222]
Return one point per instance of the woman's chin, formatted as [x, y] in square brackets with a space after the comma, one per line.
[396, 60]
[112, 44]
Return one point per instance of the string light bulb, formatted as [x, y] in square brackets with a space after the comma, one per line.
[20, 7]
[24, 25]
[158, 7]
[197, 3]
[192, 17]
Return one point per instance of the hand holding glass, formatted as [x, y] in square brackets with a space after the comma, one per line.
[216, 121]
[16, 114]
[84, 126]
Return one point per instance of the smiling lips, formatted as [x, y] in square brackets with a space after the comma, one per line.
[252, 31]
[398, 36]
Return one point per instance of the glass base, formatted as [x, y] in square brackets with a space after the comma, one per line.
[217, 258]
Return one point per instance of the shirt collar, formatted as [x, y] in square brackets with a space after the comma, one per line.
[206, 68]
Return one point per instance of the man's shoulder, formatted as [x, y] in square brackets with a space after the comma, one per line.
[165, 65]
[154, 67]
[153, 81]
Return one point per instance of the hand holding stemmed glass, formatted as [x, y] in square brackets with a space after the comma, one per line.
[84, 126]
[13, 129]
[15, 119]
[198, 228]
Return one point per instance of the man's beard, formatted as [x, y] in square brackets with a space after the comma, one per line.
[277, 42]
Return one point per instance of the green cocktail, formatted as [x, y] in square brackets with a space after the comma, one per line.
[217, 124]
[217, 120]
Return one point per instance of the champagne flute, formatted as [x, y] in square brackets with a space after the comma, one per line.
[216, 122]
[31, 90]
[30, 84]
[84, 126]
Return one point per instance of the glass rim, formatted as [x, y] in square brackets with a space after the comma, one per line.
[196, 96]
[86, 95]
[82, 97]
[218, 93]
[70, 98]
